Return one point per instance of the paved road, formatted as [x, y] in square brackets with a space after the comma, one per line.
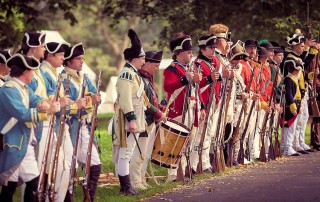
[287, 179]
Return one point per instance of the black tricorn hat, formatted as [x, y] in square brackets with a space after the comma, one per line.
[23, 61]
[136, 50]
[295, 63]
[55, 47]
[277, 47]
[207, 40]
[183, 43]
[250, 43]
[154, 56]
[74, 51]
[263, 52]
[4, 56]
[33, 39]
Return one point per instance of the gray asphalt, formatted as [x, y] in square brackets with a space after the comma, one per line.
[286, 179]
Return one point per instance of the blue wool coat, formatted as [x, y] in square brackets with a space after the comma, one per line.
[17, 138]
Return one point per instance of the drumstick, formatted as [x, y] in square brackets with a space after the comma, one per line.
[135, 138]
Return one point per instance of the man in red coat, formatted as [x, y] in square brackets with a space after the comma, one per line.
[176, 78]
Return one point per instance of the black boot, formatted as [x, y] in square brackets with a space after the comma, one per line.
[125, 186]
[94, 177]
[8, 191]
[31, 188]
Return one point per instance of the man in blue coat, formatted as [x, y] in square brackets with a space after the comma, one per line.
[19, 112]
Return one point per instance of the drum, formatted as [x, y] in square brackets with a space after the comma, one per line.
[171, 138]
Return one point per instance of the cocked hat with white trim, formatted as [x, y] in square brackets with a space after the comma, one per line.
[55, 47]
[182, 42]
[237, 51]
[23, 61]
[136, 50]
[295, 38]
[74, 51]
[33, 39]
[4, 56]
[207, 40]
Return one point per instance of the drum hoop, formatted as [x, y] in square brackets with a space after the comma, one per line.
[179, 124]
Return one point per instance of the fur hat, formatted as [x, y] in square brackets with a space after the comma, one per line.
[33, 39]
[136, 50]
[296, 38]
[154, 56]
[74, 51]
[23, 61]
[220, 31]
[55, 47]
[4, 56]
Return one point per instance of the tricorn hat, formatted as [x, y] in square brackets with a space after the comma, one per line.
[296, 38]
[181, 43]
[263, 52]
[4, 56]
[154, 56]
[33, 39]
[136, 50]
[74, 51]
[23, 61]
[237, 51]
[55, 47]
[251, 43]
[220, 31]
[277, 47]
[207, 40]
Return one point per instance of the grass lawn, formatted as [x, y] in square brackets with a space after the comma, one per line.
[111, 193]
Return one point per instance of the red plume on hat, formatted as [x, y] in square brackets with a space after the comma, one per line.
[136, 50]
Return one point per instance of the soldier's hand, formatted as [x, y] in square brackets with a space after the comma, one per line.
[310, 82]
[278, 108]
[197, 77]
[267, 109]
[44, 106]
[132, 126]
[96, 98]
[294, 112]
[310, 42]
[255, 97]
[225, 73]
[189, 75]
[163, 117]
[203, 114]
[54, 107]
[215, 75]
[245, 96]
[65, 101]
[81, 103]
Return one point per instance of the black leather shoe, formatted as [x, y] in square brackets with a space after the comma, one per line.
[316, 148]
[208, 170]
[303, 152]
[235, 163]
[310, 150]
[295, 154]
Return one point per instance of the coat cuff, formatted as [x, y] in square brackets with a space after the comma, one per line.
[313, 51]
[184, 81]
[209, 79]
[73, 108]
[130, 116]
[310, 76]
[263, 104]
[42, 116]
[157, 116]
[293, 107]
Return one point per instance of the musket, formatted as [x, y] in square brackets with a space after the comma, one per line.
[262, 156]
[75, 148]
[277, 151]
[41, 182]
[53, 177]
[211, 106]
[235, 135]
[86, 178]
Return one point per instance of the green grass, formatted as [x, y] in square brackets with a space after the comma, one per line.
[111, 193]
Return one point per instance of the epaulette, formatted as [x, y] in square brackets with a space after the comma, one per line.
[126, 76]
[9, 85]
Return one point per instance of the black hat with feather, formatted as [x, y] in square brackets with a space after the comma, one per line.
[136, 50]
